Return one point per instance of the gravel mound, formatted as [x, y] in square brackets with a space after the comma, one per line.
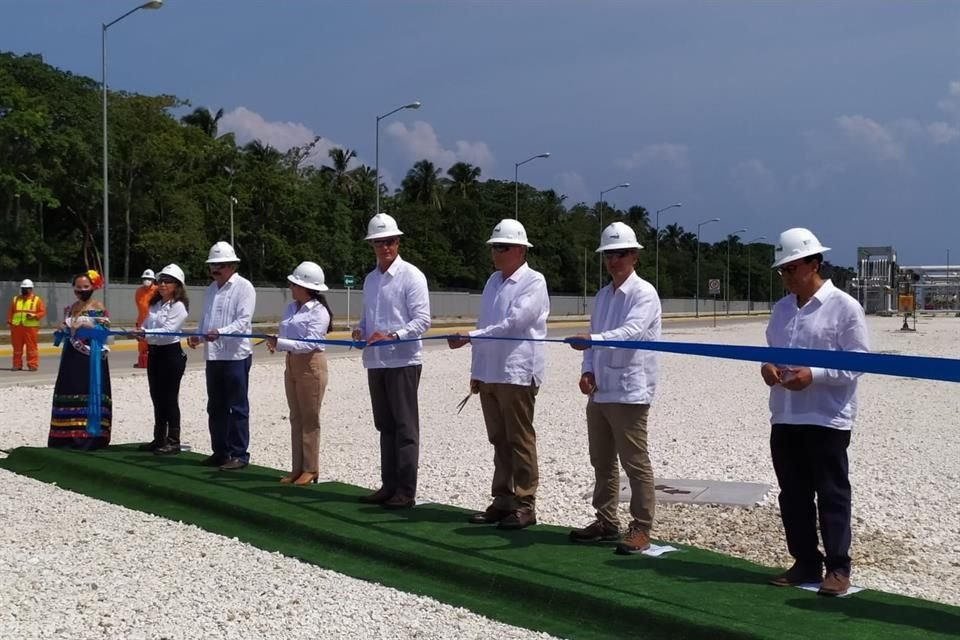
[75, 567]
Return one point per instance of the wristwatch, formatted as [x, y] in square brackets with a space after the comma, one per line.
[395, 336]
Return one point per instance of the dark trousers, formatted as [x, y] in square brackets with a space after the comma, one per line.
[165, 368]
[396, 415]
[811, 467]
[228, 409]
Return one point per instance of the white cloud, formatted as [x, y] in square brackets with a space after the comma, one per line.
[942, 133]
[951, 103]
[755, 182]
[248, 126]
[872, 136]
[572, 185]
[419, 141]
[664, 155]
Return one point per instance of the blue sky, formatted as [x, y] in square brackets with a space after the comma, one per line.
[840, 116]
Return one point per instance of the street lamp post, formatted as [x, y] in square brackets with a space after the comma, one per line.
[729, 237]
[656, 269]
[376, 169]
[773, 258]
[697, 303]
[749, 269]
[153, 4]
[600, 218]
[516, 184]
[233, 201]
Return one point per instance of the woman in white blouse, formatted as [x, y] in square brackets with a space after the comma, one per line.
[307, 317]
[166, 361]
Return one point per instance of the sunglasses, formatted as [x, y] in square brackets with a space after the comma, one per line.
[500, 248]
[622, 253]
[788, 269]
[166, 281]
[384, 242]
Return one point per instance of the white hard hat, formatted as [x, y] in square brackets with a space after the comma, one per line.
[618, 236]
[222, 252]
[382, 226]
[26, 284]
[173, 271]
[509, 231]
[148, 275]
[794, 244]
[308, 275]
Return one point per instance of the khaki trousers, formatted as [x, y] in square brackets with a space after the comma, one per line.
[305, 379]
[615, 429]
[508, 414]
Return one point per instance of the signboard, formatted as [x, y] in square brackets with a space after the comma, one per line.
[348, 282]
[713, 286]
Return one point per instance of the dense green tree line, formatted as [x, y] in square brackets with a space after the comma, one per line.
[172, 180]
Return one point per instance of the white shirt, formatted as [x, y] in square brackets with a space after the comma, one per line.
[164, 317]
[515, 307]
[830, 320]
[228, 309]
[308, 320]
[395, 301]
[629, 312]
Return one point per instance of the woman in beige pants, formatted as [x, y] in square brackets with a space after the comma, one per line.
[308, 317]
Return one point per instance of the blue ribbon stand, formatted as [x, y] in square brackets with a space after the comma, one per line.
[98, 336]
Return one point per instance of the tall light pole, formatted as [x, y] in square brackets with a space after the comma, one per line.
[516, 184]
[749, 269]
[233, 201]
[773, 258]
[600, 218]
[153, 4]
[697, 304]
[729, 237]
[376, 169]
[656, 269]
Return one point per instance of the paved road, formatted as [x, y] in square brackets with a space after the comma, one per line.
[124, 353]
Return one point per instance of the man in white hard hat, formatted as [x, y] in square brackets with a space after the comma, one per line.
[620, 384]
[396, 306]
[142, 297]
[508, 373]
[23, 318]
[812, 413]
[228, 306]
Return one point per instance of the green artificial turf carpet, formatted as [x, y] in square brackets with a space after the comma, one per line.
[533, 578]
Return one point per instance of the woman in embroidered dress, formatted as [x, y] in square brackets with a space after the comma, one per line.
[68, 422]
[305, 377]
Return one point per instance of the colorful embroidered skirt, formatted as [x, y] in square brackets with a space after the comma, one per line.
[68, 422]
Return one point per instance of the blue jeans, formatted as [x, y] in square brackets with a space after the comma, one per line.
[228, 407]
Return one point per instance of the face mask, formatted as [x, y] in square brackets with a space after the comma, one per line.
[24, 292]
[147, 283]
[84, 295]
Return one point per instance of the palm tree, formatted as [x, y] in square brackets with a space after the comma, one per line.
[464, 178]
[341, 178]
[422, 184]
[204, 120]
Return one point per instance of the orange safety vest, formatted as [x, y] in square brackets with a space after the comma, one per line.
[23, 306]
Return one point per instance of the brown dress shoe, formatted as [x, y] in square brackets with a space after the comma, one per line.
[797, 575]
[491, 515]
[233, 464]
[834, 584]
[379, 496]
[596, 531]
[636, 541]
[519, 519]
[213, 461]
[398, 502]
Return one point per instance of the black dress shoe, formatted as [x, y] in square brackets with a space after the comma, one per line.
[491, 516]
[518, 520]
[213, 461]
[233, 464]
[379, 496]
[148, 446]
[398, 502]
[167, 450]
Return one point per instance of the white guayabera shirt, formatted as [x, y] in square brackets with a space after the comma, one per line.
[515, 307]
[395, 301]
[228, 309]
[629, 312]
[830, 320]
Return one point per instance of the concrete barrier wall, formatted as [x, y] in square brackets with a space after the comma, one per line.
[272, 300]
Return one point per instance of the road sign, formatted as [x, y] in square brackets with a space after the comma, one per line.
[348, 282]
[714, 286]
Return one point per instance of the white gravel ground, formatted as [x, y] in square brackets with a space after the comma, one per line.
[74, 567]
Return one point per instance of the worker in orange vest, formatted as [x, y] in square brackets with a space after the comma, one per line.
[142, 297]
[23, 318]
